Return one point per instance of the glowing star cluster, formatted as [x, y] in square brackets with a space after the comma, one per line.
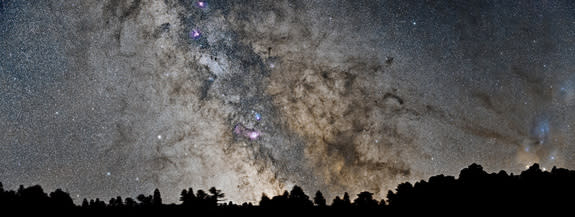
[201, 4]
[195, 34]
[243, 131]
[257, 116]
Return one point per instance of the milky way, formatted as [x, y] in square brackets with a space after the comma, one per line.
[107, 98]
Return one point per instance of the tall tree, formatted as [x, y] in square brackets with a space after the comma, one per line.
[319, 200]
[157, 198]
[298, 198]
[216, 195]
[346, 200]
[85, 203]
[188, 197]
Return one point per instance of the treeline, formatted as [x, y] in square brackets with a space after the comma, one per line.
[474, 189]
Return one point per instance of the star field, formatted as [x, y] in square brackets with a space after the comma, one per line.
[108, 98]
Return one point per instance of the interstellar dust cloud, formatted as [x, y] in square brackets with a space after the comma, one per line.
[338, 96]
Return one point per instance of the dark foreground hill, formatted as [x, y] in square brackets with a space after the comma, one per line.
[474, 191]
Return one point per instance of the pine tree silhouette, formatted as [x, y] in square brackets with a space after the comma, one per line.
[346, 201]
[188, 197]
[298, 198]
[474, 190]
[319, 200]
[215, 196]
[157, 198]
[365, 200]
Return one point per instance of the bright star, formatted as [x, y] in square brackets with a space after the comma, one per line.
[254, 135]
[201, 4]
[195, 34]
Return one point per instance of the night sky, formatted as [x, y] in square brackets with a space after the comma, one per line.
[108, 98]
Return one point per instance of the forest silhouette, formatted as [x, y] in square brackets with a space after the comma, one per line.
[473, 191]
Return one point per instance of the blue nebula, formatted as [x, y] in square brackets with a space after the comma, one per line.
[195, 34]
[541, 130]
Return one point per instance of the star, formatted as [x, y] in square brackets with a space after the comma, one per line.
[254, 135]
[201, 4]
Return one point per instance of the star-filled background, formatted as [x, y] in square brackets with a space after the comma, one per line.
[108, 98]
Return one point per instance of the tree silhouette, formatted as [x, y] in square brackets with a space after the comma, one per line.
[119, 202]
[157, 198]
[298, 198]
[144, 200]
[129, 202]
[97, 204]
[85, 203]
[365, 200]
[265, 201]
[33, 195]
[215, 196]
[474, 190]
[187, 197]
[113, 203]
[337, 202]
[280, 200]
[201, 195]
[61, 199]
[319, 200]
[346, 200]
